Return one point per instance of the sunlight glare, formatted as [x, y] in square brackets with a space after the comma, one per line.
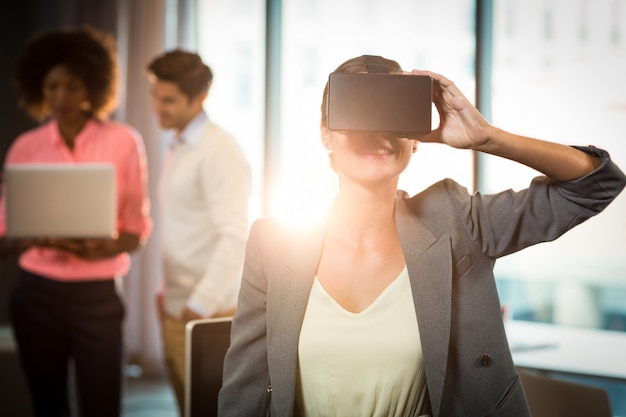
[303, 206]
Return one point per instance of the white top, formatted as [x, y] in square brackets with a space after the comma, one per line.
[204, 191]
[365, 364]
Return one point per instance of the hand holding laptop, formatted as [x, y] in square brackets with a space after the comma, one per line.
[67, 207]
[83, 248]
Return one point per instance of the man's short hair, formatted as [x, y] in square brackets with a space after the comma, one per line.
[183, 68]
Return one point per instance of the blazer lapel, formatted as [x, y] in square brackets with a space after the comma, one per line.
[430, 270]
[288, 292]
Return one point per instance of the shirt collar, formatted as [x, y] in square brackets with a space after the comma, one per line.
[189, 134]
[57, 139]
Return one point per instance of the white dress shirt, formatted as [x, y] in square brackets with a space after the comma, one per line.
[204, 191]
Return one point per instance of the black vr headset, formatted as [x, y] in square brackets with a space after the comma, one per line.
[396, 105]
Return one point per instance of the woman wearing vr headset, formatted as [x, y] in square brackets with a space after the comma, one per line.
[390, 308]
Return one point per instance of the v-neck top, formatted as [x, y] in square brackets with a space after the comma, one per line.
[367, 363]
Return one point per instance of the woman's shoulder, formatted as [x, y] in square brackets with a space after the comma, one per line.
[283, 232]
[115, 126]
[35, 133]
[29, 142]
[446, 187]
[121, 133]
[438, 204]
[268, 226]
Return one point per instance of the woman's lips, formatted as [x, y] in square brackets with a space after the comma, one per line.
[375, 147]
[375, 151]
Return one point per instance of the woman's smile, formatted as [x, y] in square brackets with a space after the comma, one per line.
[376, 148]
[374, 151]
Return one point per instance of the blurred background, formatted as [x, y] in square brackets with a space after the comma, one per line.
[548, 68]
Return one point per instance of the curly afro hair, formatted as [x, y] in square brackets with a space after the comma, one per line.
[86, 52]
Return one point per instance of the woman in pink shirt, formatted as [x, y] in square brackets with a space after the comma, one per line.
[65, 305]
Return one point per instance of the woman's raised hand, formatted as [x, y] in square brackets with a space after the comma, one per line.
[460, 124]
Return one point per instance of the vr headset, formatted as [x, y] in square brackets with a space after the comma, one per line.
[396, 105]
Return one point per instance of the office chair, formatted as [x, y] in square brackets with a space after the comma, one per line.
[206, 342]
[552, 397]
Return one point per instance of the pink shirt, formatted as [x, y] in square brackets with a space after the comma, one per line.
[99, 141]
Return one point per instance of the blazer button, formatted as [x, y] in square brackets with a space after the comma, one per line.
[484, 360]
[269, 389]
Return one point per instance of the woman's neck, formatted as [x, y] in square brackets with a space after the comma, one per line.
[362, 211]
[70, 129]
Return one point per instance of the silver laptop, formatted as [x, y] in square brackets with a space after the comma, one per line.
[58, 200]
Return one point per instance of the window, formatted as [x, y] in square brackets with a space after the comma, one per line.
[231, 40]
[558, 74]
[318, 35]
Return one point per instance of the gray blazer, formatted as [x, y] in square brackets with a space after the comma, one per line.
[451, 241]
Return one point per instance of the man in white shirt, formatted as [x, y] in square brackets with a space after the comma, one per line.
[205, 185]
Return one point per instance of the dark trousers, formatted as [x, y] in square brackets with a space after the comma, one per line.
[58, 322]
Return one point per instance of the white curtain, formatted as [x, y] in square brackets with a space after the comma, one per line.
[147, 28]
[141, 36]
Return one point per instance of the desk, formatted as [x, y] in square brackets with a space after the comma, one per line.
[580, 351]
